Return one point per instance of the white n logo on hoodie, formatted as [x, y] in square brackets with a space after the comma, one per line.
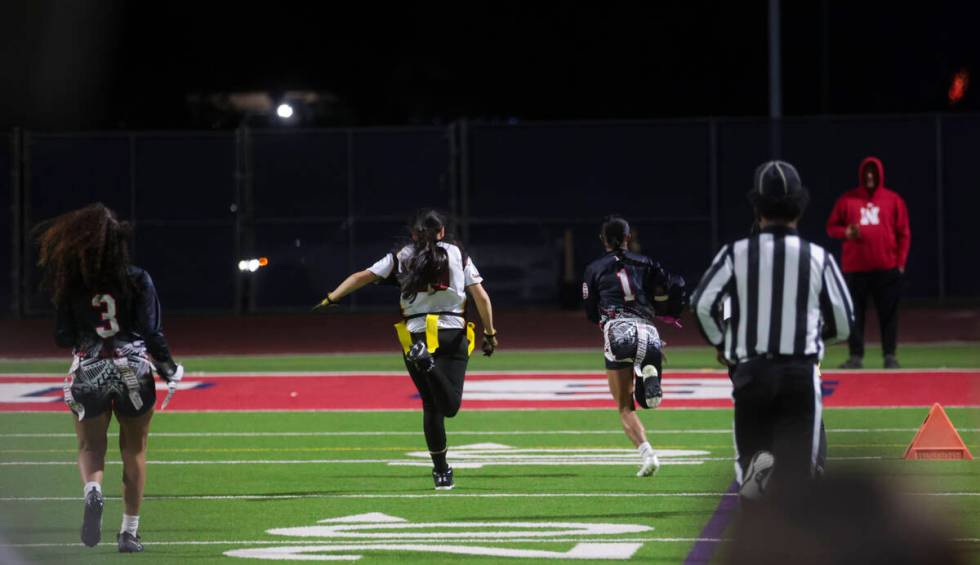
[869, 215]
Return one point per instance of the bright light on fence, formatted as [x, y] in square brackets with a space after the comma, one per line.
[252, 265]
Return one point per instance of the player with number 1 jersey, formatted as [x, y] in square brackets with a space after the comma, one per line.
[622, 293]
[109, 315]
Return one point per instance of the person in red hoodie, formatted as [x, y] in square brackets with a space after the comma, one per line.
[873, 221]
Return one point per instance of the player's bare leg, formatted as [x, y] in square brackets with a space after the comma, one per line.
[92, 443]
[133, 434]
[621, 387]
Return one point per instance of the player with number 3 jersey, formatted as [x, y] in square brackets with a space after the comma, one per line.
[109, 314]
[622, 293]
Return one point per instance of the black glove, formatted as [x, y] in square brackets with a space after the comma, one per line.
[324, 304]
[489, 344]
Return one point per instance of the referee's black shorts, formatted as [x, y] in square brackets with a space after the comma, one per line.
[778, 408]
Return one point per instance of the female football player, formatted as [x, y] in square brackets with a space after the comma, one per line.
[108, 313]
[623, 291]
[434, 275]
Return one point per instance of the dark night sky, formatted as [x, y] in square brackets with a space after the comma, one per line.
[112, 63]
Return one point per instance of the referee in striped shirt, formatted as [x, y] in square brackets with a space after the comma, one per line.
[786, 295]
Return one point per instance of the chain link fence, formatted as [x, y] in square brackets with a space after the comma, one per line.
[527, 199]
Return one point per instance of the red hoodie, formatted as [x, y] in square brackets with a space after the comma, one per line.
[883, 221]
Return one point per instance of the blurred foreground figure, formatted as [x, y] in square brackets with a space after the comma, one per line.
[843, 521]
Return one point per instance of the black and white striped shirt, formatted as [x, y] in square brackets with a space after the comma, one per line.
[786, 295]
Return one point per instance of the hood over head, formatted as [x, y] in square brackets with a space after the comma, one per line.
[879, 168]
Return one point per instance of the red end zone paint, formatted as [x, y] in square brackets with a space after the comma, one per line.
[501, 391]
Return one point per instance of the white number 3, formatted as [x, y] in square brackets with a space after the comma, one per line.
[106, 305]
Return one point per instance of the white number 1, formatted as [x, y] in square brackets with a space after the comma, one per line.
[106, 304]
[624, 279]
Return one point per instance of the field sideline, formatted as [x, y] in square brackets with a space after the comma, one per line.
[923, 356]
[533, 484]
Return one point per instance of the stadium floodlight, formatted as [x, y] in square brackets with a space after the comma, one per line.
[284, 111]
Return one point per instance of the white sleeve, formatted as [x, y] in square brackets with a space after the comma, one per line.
[709, 292]
[471, 275]
[841, 309]
[384, 266]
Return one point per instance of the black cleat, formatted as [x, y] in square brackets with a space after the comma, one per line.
[647, 390]
[853, 362]
[92, 519]
[420, 358]
[891, 362]
[128, 543]
[443, 480]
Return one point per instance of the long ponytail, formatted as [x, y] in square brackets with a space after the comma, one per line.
[429, 265]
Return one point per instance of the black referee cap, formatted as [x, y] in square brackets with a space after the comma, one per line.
[777, 179]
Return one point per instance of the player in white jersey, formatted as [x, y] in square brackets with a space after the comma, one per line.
[434, 275]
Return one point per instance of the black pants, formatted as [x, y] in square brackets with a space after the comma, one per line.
[821, 450]
[441, 389]
[778, 408]
[885, 289]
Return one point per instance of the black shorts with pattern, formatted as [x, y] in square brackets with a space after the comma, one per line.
[123, 384]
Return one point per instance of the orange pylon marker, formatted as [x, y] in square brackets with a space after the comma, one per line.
[937, 439]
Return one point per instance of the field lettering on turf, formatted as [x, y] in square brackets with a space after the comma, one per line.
[478, 455]
[375, 531]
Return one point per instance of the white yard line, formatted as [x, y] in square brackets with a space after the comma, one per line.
[446, 538]
[397, 496]
[555, 461]
[545, 372]
[728, 408]
[713, 431]
[569, 539]
[394, 496]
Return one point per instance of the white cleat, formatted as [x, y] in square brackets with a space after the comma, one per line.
[757, 476]
[650, 466]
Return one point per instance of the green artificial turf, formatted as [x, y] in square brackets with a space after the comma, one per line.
[911, 356]
[234, 455]
[218, 482]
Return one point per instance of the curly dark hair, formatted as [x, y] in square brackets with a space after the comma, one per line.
[85, 249]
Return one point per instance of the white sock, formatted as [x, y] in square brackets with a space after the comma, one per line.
[130, 524]
[91, 485]
[645, 449]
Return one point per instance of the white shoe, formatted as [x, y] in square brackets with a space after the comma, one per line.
[650, 466]
[757, 476]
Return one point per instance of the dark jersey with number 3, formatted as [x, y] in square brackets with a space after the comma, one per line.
[113, 318]
[622, 285]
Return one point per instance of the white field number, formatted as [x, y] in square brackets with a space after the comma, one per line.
[347, 538]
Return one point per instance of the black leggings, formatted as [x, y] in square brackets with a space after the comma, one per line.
[441, 389]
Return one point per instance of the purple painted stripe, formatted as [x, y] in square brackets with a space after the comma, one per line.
[703, 551]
